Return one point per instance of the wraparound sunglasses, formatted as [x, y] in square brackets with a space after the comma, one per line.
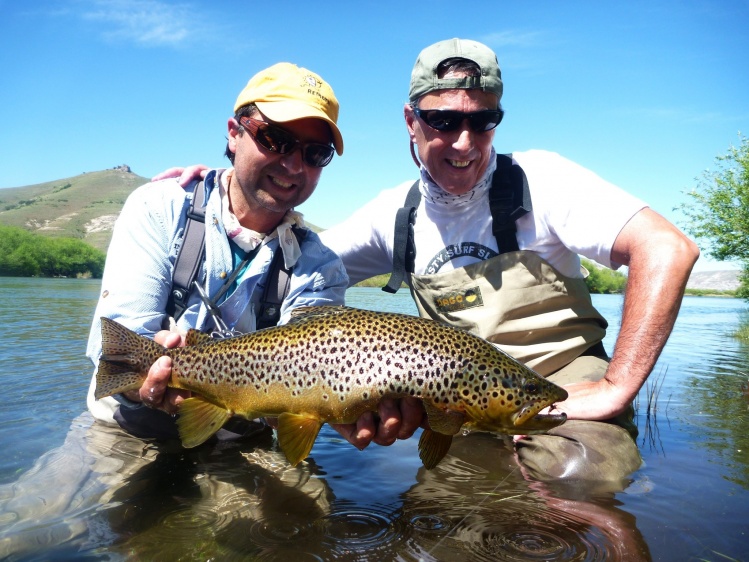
[275, 139]
[448, 120]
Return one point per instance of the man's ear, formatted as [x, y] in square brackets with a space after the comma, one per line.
[234, 133]
[410, 116]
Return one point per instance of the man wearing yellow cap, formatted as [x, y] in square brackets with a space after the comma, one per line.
[283, 133]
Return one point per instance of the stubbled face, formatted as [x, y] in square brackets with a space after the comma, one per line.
[456, 160]
[266, 185]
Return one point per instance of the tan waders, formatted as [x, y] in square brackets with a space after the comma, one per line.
[523, 305]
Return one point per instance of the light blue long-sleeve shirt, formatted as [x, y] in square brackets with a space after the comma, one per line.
[140, 262]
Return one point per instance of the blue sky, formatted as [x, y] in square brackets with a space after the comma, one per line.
[646, 94]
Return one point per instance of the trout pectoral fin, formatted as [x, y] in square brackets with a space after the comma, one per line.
[433, 447]
[448, 422]
[199, 420]
[296, 435]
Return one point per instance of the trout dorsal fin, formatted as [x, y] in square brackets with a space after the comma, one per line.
[296, 435]
[195, 337]
[306, 312]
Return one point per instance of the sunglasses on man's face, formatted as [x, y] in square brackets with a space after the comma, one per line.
[448, 120]
[275, 139]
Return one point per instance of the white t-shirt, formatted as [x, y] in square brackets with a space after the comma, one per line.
[575, 212]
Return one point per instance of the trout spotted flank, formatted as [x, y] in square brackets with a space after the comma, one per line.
[331, 364]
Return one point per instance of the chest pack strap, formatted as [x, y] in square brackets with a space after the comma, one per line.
[404, 250]
[277, 287]
[191, 255]
[509, 199]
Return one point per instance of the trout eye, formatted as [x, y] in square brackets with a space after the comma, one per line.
[531, 388]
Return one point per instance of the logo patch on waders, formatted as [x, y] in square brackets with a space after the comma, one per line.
[455, 301]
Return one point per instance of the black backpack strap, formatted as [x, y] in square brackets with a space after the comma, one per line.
[404, 251]
[277, 286]
[509, 199]
[191, 255]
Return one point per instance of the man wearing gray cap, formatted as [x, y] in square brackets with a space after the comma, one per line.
[495, 250]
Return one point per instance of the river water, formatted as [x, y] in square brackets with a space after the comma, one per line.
[71, 491]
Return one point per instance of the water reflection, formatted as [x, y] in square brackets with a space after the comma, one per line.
[484, 508]
[110, 496]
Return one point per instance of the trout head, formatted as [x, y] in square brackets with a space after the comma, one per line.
[508, 397]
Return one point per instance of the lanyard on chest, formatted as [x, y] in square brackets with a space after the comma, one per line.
[509, 199]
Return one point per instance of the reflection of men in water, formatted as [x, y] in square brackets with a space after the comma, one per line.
[482, 506]
[104, 486]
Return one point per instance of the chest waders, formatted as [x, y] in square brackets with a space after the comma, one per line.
[522, 304]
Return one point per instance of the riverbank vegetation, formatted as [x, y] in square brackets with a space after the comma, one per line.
[26, 254]
[600, 280]
[718, 210]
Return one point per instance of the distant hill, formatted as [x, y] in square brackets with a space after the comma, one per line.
[83, 207]
[715, 280]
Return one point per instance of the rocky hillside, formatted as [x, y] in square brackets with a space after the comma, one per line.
[715, 280]
[83, 207]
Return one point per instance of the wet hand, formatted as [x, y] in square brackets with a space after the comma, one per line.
[154, 393]
[395, 419]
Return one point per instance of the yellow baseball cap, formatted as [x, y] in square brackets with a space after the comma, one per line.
[286, 92]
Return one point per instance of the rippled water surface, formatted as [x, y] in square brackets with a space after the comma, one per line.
[70, 490]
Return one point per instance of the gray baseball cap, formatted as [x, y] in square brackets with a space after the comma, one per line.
[424, 77]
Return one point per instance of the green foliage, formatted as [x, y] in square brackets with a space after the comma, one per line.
[742, 332]
[376, 281]
[602, 280]
[718, 214]
[24, 254]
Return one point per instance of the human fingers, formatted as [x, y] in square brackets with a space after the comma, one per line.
[193, 173]
[152, 390]
[155, 393]
[174, 172]
[168, 339]
[389, 424]
[359, 434]
[412, 417]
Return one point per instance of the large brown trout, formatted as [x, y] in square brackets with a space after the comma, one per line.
[331, 364]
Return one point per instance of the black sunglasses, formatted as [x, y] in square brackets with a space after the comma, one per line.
[448, 120]
[278, 140]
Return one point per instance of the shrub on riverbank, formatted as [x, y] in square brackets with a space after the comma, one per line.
[25, 254]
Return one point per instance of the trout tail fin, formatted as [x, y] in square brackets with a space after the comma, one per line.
[125, 359]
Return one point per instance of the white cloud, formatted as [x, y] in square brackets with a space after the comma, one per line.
[145, 22]
[502, 39]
